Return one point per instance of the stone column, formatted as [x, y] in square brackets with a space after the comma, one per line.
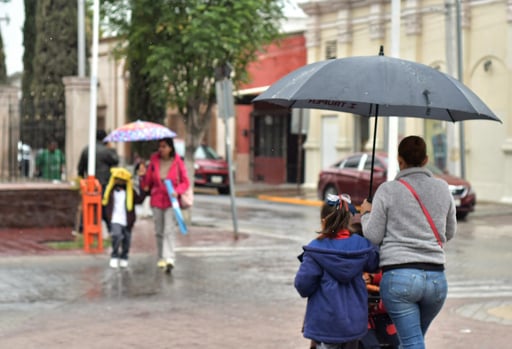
[312, 148]
[9, 130]
[77, 91]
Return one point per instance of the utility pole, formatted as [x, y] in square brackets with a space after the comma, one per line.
[393, 120]
[451, 132]
[90, 187]
[461, 78]
[81, 38]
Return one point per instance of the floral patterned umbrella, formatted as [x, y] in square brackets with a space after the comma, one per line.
[139, 131]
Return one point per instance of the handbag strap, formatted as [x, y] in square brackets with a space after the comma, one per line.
[425, 211]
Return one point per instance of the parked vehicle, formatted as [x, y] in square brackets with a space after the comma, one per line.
[351, 175]
[211, 170]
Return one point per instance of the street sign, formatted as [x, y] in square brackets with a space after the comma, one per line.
[225, 101]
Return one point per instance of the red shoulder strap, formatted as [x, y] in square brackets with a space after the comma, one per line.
[425, 211]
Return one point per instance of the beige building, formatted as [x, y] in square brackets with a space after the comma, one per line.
[341, 28]
[111, 104]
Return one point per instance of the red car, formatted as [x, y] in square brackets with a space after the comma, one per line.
[210, 169]
[352, 176]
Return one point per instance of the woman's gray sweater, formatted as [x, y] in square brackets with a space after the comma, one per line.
[397, 223]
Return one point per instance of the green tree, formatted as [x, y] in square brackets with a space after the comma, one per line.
[186, 40]
[55, 57]
[27, 98]
[141, 103]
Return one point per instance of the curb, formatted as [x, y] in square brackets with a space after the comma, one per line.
[290, 200]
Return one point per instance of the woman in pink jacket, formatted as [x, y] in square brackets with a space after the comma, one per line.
[164, 164]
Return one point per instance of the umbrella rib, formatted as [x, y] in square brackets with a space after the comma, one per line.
[450, 114]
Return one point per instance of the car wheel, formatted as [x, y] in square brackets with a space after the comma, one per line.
[223, 190]
[461, 215]
[330, 189]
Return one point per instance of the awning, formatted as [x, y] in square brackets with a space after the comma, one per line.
[250, 91]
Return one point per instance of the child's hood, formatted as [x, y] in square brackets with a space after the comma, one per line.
[341, 265]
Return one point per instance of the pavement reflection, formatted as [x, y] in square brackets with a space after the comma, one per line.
[229, 294]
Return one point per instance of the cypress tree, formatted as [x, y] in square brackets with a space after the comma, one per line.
[141, 103]
[27, 102]
[55, 57]
[3, 68]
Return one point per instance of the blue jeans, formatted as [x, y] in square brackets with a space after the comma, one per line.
[121, 239]
[413, 298]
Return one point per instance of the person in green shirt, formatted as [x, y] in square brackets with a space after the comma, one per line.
[50, 162]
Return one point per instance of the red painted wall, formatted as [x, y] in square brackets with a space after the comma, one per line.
[243, 126]
[280, 59]
[270, 170]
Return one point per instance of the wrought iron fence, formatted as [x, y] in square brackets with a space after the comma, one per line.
[23, 136]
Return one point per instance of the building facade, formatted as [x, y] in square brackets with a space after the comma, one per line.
[341, 28]
[268, 142]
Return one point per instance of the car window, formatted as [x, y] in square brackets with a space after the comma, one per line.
[376, 163]
[206, 152]
[351, 162]
[202, 152]
[179, 146]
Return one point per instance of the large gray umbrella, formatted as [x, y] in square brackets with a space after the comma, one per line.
[377, 86]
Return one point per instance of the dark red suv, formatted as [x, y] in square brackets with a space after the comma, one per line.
[211, 170]
[351, 175]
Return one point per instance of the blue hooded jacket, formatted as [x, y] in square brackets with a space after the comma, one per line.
[331, 277]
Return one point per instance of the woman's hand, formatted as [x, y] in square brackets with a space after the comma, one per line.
[365, 207]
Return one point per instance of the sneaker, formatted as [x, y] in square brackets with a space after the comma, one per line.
[169, 265]
[123, 263]
[114, 263]
[162, 264]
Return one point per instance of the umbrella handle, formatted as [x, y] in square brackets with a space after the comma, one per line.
[370, 193]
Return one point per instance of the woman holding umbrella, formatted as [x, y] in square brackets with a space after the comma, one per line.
[164, 164]
[411, 218]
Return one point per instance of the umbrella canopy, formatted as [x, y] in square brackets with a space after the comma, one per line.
[139, 131]
[363, 85]
[377, 86]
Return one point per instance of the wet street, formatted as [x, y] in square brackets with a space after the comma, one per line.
[233, 294]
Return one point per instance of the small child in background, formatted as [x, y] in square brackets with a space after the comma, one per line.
[331, 277]
[119, 200]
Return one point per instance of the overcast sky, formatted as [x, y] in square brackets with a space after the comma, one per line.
[12, 33]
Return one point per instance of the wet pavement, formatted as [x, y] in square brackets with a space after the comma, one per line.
[226, 293]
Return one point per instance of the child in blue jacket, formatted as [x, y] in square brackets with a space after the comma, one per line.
[331, 277]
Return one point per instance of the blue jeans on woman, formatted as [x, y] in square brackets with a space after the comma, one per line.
[413, 298]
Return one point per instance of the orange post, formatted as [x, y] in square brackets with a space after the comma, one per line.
[91, 206]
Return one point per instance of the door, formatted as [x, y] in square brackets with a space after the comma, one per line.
[270, 147]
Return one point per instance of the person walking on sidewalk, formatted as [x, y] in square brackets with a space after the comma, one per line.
[106, 158]
[164, 164]
[119, 201]
[411, 218]
[331, 277]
